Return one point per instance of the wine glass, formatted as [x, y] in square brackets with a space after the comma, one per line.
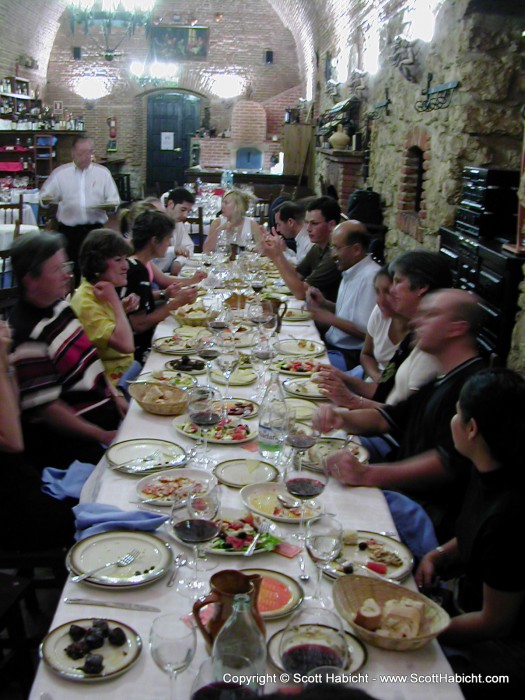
[314, 637]
[261, 356]
[205, 506]
[208, 350]
[259, 312]
[203, 411]
[257, 281]
[195, 530]
[219, 316]
[227, 362]
[172, 642]
[324, 541]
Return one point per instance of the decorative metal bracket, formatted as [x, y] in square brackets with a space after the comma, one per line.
[438, 97]
[379, 106]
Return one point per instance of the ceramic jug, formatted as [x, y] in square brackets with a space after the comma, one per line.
[225, 585]
[280, 308]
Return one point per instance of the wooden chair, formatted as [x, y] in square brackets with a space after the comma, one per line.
[11, 213]
[197, 229]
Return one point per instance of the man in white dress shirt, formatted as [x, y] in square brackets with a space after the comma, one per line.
[289, 223]
[356, 298]
[84, 191]
[179, 203]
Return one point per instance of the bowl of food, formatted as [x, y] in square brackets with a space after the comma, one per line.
[161, 399]
[387, 615]
[191, 315]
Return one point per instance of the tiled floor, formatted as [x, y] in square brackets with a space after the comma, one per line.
[37, 625]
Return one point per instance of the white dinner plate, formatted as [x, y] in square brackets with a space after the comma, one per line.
[387, 546]
[239, 408]
[241, 377]
[304, 388]
[145, 455]
[279, 595]
[173, 485]
[301, 346]
[116, 659]
[304, 410]
[313, 458]
[196, 366]
[294, 367]
[181, 425]
[293, 315]
[357, 654]
[263, 500]
[175, 345]
[151, 564]
[240, 472]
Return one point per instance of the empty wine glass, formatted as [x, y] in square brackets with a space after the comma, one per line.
[172, 643]
[314, 637]
[203, 411]
[198, 528]
[208, 350]
[227, 362]
[261, 356]
[324, 541]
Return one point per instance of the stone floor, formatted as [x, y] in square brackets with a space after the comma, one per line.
[36, 625]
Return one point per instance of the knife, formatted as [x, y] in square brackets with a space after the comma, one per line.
[108, 604]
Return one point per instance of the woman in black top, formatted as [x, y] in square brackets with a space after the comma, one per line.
[488, 631]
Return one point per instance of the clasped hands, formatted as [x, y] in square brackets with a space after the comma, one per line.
[343, 465]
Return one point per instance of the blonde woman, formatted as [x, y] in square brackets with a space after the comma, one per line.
[240, 229]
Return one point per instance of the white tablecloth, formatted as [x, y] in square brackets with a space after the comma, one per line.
[357, 508]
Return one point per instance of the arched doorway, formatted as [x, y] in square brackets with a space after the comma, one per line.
[173, 118]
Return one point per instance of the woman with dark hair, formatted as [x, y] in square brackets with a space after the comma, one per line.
[151, 236]
[489, 626]
[104, 267]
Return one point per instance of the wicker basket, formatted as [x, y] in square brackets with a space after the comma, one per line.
[190, 315]
[351, 591]
[158, 398]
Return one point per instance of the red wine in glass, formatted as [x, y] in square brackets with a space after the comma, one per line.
[303, 658]
[209, 353]
[257, 287]
[300, 441]
[196, 531]
[205, 418]
[217, 326]
[223, 691]
[304, 487]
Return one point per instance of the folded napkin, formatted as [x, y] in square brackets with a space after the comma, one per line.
[66, 483]
[94, 518]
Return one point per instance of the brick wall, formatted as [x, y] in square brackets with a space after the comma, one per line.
[276, 107]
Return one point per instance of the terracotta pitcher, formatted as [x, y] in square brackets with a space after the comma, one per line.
[280, 308]
[224, 586]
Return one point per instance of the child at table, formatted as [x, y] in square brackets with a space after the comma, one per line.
[488, 631]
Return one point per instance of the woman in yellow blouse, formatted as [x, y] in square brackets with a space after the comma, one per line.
[104, 266]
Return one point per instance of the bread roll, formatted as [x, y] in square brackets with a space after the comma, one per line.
[369, 615]
[350, 537]
[401, 618]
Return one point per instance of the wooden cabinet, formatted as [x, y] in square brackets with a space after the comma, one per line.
[15, 96]
[482, 267]
[298, 149]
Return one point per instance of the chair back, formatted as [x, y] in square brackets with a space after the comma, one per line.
[11, 213]
[8, 286]
[197, 229]
[261, 211]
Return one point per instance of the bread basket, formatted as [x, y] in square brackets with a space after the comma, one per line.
[161, 399]
[351, 591]
[190, 315]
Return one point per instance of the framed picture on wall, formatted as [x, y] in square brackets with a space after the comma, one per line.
[178, 43]
[58, 107]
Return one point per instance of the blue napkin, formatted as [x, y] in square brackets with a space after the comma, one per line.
[94, 518]
[412, 523]
[66, 483]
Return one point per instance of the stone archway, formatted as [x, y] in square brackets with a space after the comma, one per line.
[411, 207]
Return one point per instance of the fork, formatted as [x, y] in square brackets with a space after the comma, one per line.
[262, 529]
[127, 559]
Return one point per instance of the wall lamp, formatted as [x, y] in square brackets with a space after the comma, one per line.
[438, 97]
[381, 108]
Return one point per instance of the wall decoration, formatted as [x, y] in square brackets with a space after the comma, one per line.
[178, 43]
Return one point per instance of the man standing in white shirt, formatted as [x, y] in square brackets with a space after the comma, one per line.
[84, 192]
[178, 203]
[289, 223]
[348, 317]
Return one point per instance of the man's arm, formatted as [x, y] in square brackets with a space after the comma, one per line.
[59, 416]
[360, 422]
[328, 318]
[292, 278]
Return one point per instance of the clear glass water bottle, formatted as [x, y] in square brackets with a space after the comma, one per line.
[272, 420]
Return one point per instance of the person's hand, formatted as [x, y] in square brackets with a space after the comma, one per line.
[315, 298]
[105, 291]
[321, 316]
[106, 437]
[346, 468]
[5, 344]
[427, 575]
[182, 251]
[198, 277]
[333, 386]
[122, 405]
[326, 419]
[269, 246]
[174, 288]
[184, 296]
[131, 303]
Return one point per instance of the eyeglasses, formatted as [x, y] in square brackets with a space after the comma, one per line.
[67, 267]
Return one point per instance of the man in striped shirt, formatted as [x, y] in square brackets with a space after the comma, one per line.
[69, 411]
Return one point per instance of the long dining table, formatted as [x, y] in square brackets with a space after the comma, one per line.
[426, 670]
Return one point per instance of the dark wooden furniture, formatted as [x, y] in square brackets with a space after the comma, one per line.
[15, 657]
[483, 267]
[197, 229]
